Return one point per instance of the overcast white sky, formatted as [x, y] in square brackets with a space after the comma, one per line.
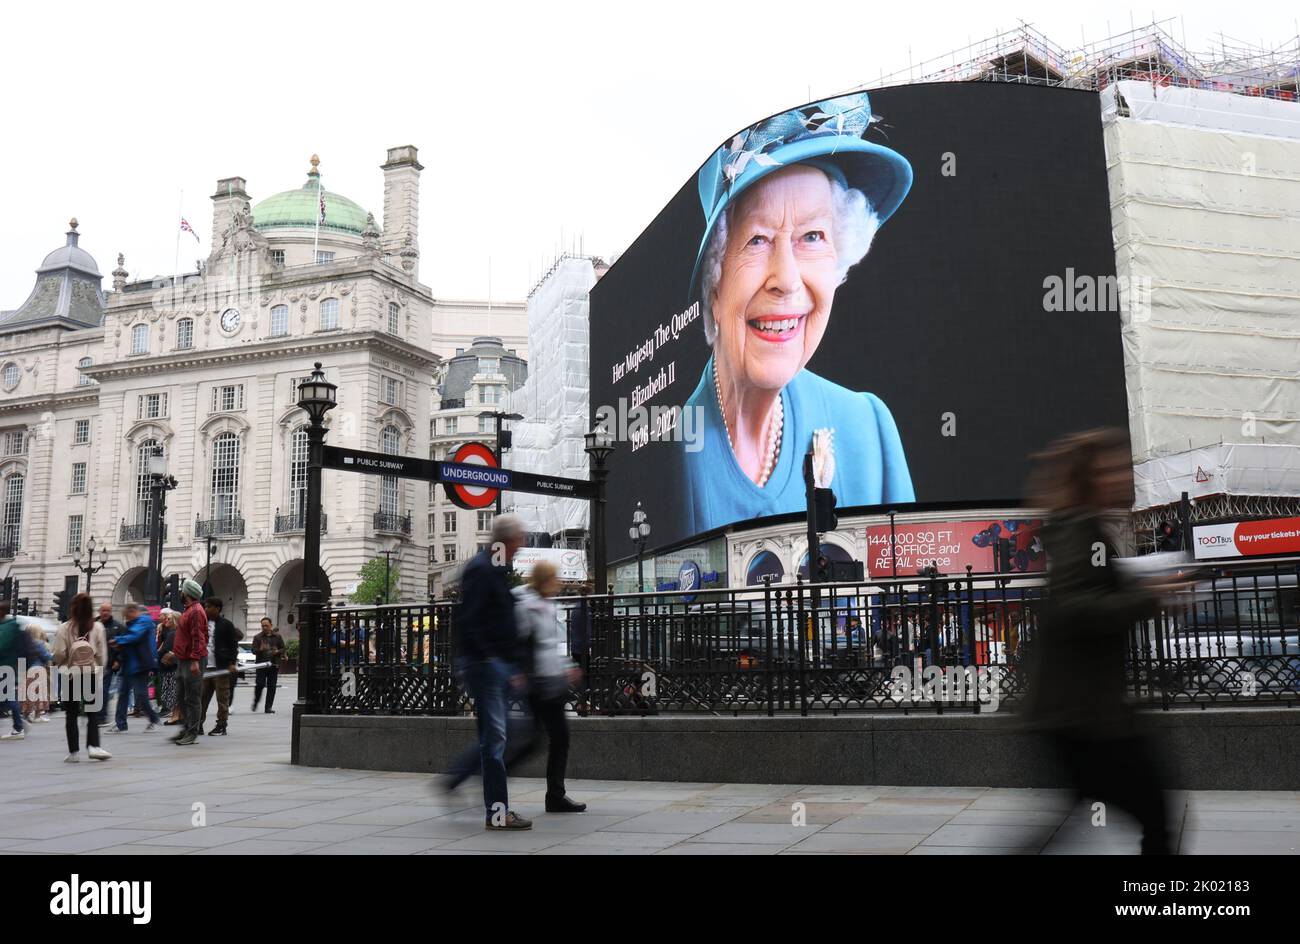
[535, 122]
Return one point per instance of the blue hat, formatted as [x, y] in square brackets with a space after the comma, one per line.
[825, 134]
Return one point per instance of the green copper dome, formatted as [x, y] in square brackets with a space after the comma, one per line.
[300, 208]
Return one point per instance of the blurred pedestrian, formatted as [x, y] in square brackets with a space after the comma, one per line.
[487, 656]
[80, 654]
[189, 652]
[1077, 674]
[223, 663]
[13, 651]
[36, 703]
[167, 673]
[550, 674]
[268, 649]
[111, 628]
[138, 655]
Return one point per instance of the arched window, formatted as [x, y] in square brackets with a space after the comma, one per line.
[184, 334]
[394, 318]
[390, 441]
[142, 497]
[279, 320]
[13, 373]
[140, 339]
[329, 313]
[298, 471]
[225, 477]
[82, 379]
[12, 521]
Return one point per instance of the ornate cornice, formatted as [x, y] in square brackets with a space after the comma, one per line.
[278, 348]
[64, 398]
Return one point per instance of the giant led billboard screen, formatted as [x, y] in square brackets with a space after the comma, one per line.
[916, 286]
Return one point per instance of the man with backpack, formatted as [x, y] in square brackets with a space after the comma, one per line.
[135, 647]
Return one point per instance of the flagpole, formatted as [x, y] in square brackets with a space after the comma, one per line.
[176, 256]
[315, 247]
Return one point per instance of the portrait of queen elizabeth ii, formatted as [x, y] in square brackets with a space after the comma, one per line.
[790, 206]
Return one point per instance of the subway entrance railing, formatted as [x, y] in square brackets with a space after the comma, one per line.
[923, 643]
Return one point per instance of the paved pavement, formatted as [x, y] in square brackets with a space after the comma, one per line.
[254, 802]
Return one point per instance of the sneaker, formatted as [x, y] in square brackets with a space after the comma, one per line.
[218, 731]
[41, 719]
[186, 740]
[98, 753]
[513, 821]
[13, 736]
[151, 726]
[72, 759]
[270, 711]
[108, 724]
[115, 730]
[564, 805]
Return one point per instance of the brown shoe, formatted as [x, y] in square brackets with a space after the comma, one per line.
[512, 821]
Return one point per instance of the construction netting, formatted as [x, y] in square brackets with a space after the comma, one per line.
[1205, 197]
[554, 400]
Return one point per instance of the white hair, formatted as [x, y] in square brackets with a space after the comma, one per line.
[855, 225]
[507, 528]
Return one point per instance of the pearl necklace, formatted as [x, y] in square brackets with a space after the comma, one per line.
[776, 424]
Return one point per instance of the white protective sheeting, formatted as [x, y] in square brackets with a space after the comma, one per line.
[1206, 221]
[1221, 469]
[554, 399]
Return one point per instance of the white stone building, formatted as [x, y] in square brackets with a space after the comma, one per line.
[206, 367]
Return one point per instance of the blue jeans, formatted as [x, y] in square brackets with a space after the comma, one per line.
[488, 683]
[137, 682]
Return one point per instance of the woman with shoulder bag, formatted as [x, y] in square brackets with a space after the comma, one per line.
[80, 654]
[550, 673]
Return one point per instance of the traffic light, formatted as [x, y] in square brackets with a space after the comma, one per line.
[7, 588]
[824, 510]
[62, 602]
[174, 592]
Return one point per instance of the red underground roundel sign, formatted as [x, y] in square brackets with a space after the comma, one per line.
[470, 496]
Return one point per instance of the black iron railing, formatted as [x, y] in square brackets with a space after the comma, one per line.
[219, 528]
[287, 524]
[133, 533]
[930, 644]
[392, 523]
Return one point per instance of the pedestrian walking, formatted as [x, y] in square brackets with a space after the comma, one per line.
[223, 662]
[188, 654]
[550, 674]
[487, 657]
[1078, 694]
[268, 649]
[36, 697]
[80, 655]
[111, 628]
[13, 650]
[136, 649]
[167, 673]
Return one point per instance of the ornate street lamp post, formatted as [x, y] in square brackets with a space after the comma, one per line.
[90, 569]
[160, 483]
[316, 396]
[639, 533]
[598, 446]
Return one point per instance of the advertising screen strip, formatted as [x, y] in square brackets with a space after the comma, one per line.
[1246, 538]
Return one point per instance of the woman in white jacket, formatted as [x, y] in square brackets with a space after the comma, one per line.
[550, 672]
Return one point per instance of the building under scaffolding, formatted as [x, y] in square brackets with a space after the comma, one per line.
[1147, 54]
[1203, 163]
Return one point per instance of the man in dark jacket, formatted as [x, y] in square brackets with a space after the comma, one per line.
[487, 656]
[111, 628]
[268, 647]
[222, 664]
[136, 655]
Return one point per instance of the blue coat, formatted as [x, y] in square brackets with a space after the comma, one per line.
[870, 467]
[137, 644]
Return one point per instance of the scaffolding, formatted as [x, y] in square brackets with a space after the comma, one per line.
[1148, 54]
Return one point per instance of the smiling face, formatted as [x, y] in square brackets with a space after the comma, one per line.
[779, 275]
